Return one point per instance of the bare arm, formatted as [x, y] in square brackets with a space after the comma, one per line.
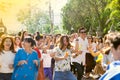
[76, 54]
[76, 47]
[58, 58]
[92, 52]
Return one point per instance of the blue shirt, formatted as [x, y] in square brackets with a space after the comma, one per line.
[113, 72]
[25, 71]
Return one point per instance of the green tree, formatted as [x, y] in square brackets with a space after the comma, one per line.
[34, 21]
[88, 13]
[114, 7]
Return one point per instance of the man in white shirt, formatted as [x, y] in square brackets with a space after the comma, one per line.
[79, 61]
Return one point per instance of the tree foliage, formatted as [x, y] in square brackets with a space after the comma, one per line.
[114, 7]
[92, 14]
[34, 20]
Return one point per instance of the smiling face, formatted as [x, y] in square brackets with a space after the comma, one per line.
[26, 44]
[83, 33]
[17, 41]
[40, 41]
[89, 39]
[7, 44]
[65, 42]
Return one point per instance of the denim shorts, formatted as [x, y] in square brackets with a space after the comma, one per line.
[66, 75]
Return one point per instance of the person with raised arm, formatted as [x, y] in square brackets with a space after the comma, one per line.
[62, 55]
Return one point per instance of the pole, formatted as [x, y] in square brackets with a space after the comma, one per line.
[51, 17]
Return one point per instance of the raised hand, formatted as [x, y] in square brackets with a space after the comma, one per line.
[22, 62]
[35, 62]
[66, 55]
[10, 66]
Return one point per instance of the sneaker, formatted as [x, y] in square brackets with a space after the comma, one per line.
[86, 77]
[96, 76]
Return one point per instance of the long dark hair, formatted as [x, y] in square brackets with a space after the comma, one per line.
[62, 42]
[22, 36]
[2, 46]
[15, 40]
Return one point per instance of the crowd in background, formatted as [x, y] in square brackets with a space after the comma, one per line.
[55, 57]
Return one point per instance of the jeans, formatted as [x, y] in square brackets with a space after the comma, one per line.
[66, 75]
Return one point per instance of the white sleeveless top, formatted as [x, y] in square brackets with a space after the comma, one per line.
[6, 58]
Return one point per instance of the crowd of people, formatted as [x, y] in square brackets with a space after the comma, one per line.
[60, 57]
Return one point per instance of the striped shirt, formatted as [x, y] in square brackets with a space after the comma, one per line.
[113, 72]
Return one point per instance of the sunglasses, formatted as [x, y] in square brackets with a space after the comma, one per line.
[89, 38]
[83, 32]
